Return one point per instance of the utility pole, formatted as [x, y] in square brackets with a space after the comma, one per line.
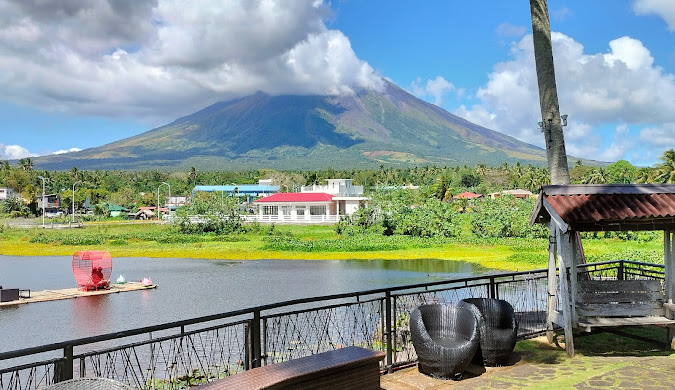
[548, 94]
[73, 214]
[43, 201]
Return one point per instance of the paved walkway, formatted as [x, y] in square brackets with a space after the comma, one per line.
[580, 372]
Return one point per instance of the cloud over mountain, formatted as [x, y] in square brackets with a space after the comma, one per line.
[145, 58]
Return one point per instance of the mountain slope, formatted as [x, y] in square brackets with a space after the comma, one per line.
[308, 132]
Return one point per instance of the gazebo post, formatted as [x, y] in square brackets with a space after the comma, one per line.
[552, 251]
[669, 263]
[574, 259]
[564, 260]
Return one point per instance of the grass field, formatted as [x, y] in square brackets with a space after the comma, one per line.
[153, 240]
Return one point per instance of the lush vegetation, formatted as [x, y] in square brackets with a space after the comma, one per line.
[398, 222]
[133, 189]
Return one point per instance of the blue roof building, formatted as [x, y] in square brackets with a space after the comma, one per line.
[249, 190]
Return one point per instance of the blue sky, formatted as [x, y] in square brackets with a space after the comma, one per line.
[84, 73]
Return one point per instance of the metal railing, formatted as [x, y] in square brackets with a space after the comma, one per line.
[185, 353]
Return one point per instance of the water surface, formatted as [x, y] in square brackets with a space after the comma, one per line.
[189, 288]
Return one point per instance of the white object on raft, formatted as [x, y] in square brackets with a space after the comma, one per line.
[146, 281]
[121, 279]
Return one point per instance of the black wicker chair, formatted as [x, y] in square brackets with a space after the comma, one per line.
[445, 339]
[497, 326]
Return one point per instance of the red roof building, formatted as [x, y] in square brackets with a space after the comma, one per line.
[467, 195]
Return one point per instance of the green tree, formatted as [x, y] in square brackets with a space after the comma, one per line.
[621, 172]
[26, 164]
[666, 169]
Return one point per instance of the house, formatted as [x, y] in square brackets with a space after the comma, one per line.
[467, 195]
[6, 193]
[518, 193]
[347, 197]
[314, 204]
[113, 209]
[174, 202]
[52, 202]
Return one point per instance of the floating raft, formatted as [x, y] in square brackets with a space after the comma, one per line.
[68, 293]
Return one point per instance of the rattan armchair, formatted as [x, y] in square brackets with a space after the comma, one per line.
[497, 326]
[445, 339]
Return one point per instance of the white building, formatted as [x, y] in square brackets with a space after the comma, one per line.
[314, 204]
[6, 193]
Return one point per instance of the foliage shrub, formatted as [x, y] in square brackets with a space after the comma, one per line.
[209, 213]
[428, 219]
[506, 216]
[432, 218]
[655, 257]
[362, 243]
[15, 208]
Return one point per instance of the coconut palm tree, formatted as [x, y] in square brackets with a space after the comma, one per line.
[26, 164]
[666, 169]
[597, 176]
[645, 175]
[548, 94]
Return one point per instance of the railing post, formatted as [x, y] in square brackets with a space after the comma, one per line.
[620, 272]
[248, 348]
[63, 370]
[389, 361]
[492, 293]
[255, 340]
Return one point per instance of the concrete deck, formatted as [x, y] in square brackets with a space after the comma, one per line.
[68, 293]
[580, 372]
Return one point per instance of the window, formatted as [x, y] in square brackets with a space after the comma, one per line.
[286, 210]
[300, 211]
[317, 210]
[270, 210]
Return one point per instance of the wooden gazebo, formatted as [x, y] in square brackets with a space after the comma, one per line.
[587, 302]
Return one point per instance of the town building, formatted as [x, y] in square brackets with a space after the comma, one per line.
[250, 191]
[313, 204]
[52, 202]
[467, 195]
[518, 193]
[6, 193]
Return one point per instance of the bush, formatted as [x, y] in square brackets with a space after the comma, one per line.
[506, 216]
[363, 243]
[431, 218]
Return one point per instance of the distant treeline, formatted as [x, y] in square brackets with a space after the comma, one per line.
[140, 188]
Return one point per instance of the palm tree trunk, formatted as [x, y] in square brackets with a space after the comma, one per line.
[548, 94]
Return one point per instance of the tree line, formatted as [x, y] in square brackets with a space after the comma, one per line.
[133, 189]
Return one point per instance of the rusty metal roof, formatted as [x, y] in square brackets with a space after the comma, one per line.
[608, 206]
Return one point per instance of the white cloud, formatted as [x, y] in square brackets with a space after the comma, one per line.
[663, 8]
[145, 58]
[62, 151]
[509, 30]
[13, 152]
[620, 86]
[661, 136]
[436, 88]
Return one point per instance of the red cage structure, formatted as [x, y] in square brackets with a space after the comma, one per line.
[92, 269]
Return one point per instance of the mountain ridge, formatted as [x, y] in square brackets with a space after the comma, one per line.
[358, 131]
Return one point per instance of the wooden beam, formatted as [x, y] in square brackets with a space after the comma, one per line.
[567, 307]
[573, 251]
[669, 262]
[550, 307]
[562, 225]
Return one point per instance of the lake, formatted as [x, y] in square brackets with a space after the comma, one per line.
[189, 288]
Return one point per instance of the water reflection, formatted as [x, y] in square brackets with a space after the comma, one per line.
[189, 288]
